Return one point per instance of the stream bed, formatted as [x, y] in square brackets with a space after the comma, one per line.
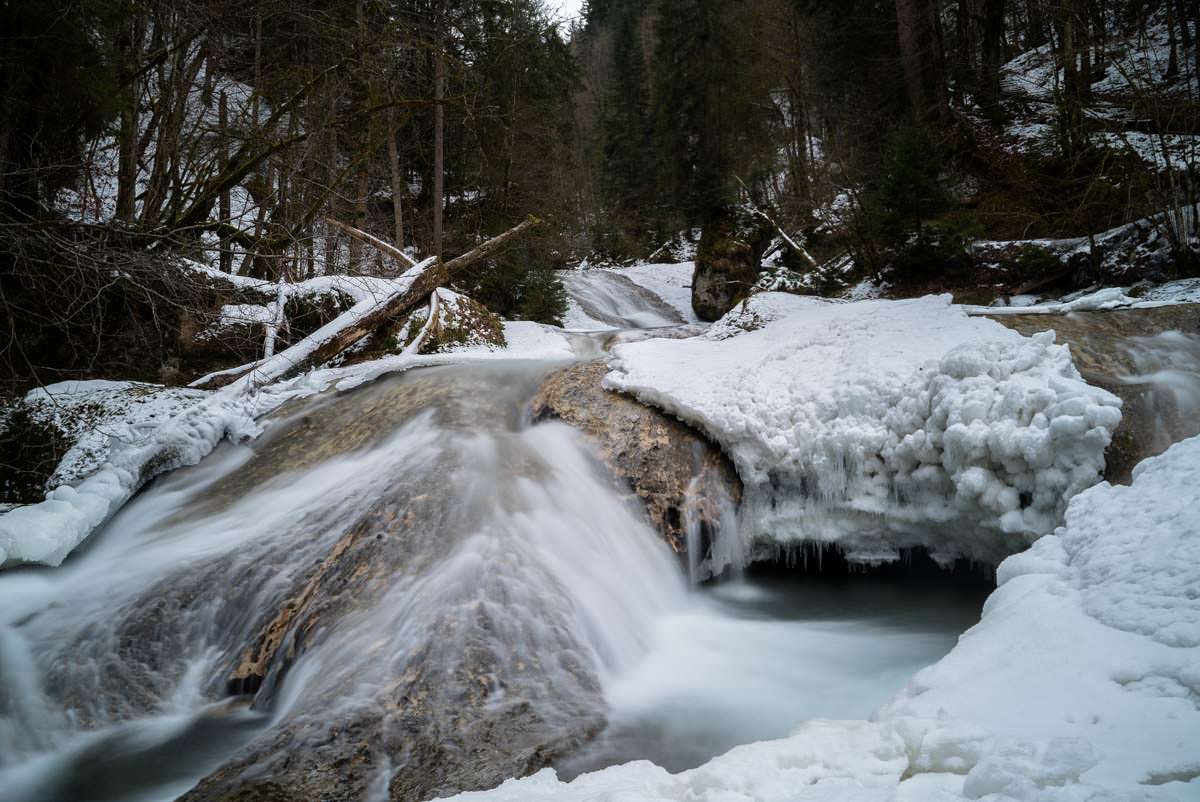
[409, 589]
[746, 660]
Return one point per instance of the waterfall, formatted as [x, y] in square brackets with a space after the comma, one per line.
[515, 546]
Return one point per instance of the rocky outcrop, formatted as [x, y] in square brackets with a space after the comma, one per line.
[400, 684]
[728, 260]
[671, 467]
[1109, 347]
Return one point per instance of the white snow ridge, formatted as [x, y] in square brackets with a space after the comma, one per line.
[881, 425]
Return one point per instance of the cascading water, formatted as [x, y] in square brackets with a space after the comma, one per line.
[610, 300]
[521, 549]
[1166, 366]
[406, 590]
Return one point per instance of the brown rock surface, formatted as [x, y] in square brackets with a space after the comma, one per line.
[664, 461]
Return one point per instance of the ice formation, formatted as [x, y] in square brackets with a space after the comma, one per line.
[880, 425]
[1079, 683]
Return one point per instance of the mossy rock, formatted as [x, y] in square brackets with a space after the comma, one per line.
[728, 259]
[32, 448]
[461, 323]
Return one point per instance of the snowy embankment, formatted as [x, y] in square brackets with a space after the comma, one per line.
[1080, 682]
[881, 425]
[133, 432]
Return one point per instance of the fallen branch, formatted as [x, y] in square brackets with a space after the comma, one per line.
[367, 315]
[374, 242]
[795, 246]
[415, 346]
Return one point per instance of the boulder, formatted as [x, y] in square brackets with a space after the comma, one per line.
[671, 467]
[728, 259]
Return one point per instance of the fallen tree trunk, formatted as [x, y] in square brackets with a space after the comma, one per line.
[364, 317]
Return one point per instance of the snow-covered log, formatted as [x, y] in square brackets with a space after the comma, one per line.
[368, 314]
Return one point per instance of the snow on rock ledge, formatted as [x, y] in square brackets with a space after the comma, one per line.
[881, 425]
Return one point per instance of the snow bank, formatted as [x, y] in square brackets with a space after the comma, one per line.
[1087, 653]
[879, 425]
[97, 415]
[48, 531]
[1081, 682]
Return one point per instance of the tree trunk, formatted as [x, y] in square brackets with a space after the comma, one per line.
[1035, 29]
[922, 57]
[1173, 57]
[366, 316]
[439, 140]
[361, 192]
[129, 47]
[1071, 115]
[331, 240]
[992, 55]
[225, 204]
[397, 185]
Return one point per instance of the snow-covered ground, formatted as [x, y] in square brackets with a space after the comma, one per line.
[1135, 68]
[1182, 291]
[879, 425]
[1081, 682]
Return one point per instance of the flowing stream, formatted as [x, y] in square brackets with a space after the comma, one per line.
[408, 589]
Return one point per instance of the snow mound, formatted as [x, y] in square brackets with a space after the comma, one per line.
[1112, 533]
[880, 425]
[849, 761]
[99, 415]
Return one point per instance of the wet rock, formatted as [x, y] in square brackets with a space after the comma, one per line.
[666, 463]
[446, 692]
[728, 260]
[1110, 346]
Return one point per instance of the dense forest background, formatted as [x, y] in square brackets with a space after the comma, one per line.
[890, 137]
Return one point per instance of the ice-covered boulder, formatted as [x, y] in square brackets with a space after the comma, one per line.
[884, 425]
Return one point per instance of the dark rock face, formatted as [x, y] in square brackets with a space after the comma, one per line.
[728, 260]
[1110, 346]
[666, 463]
